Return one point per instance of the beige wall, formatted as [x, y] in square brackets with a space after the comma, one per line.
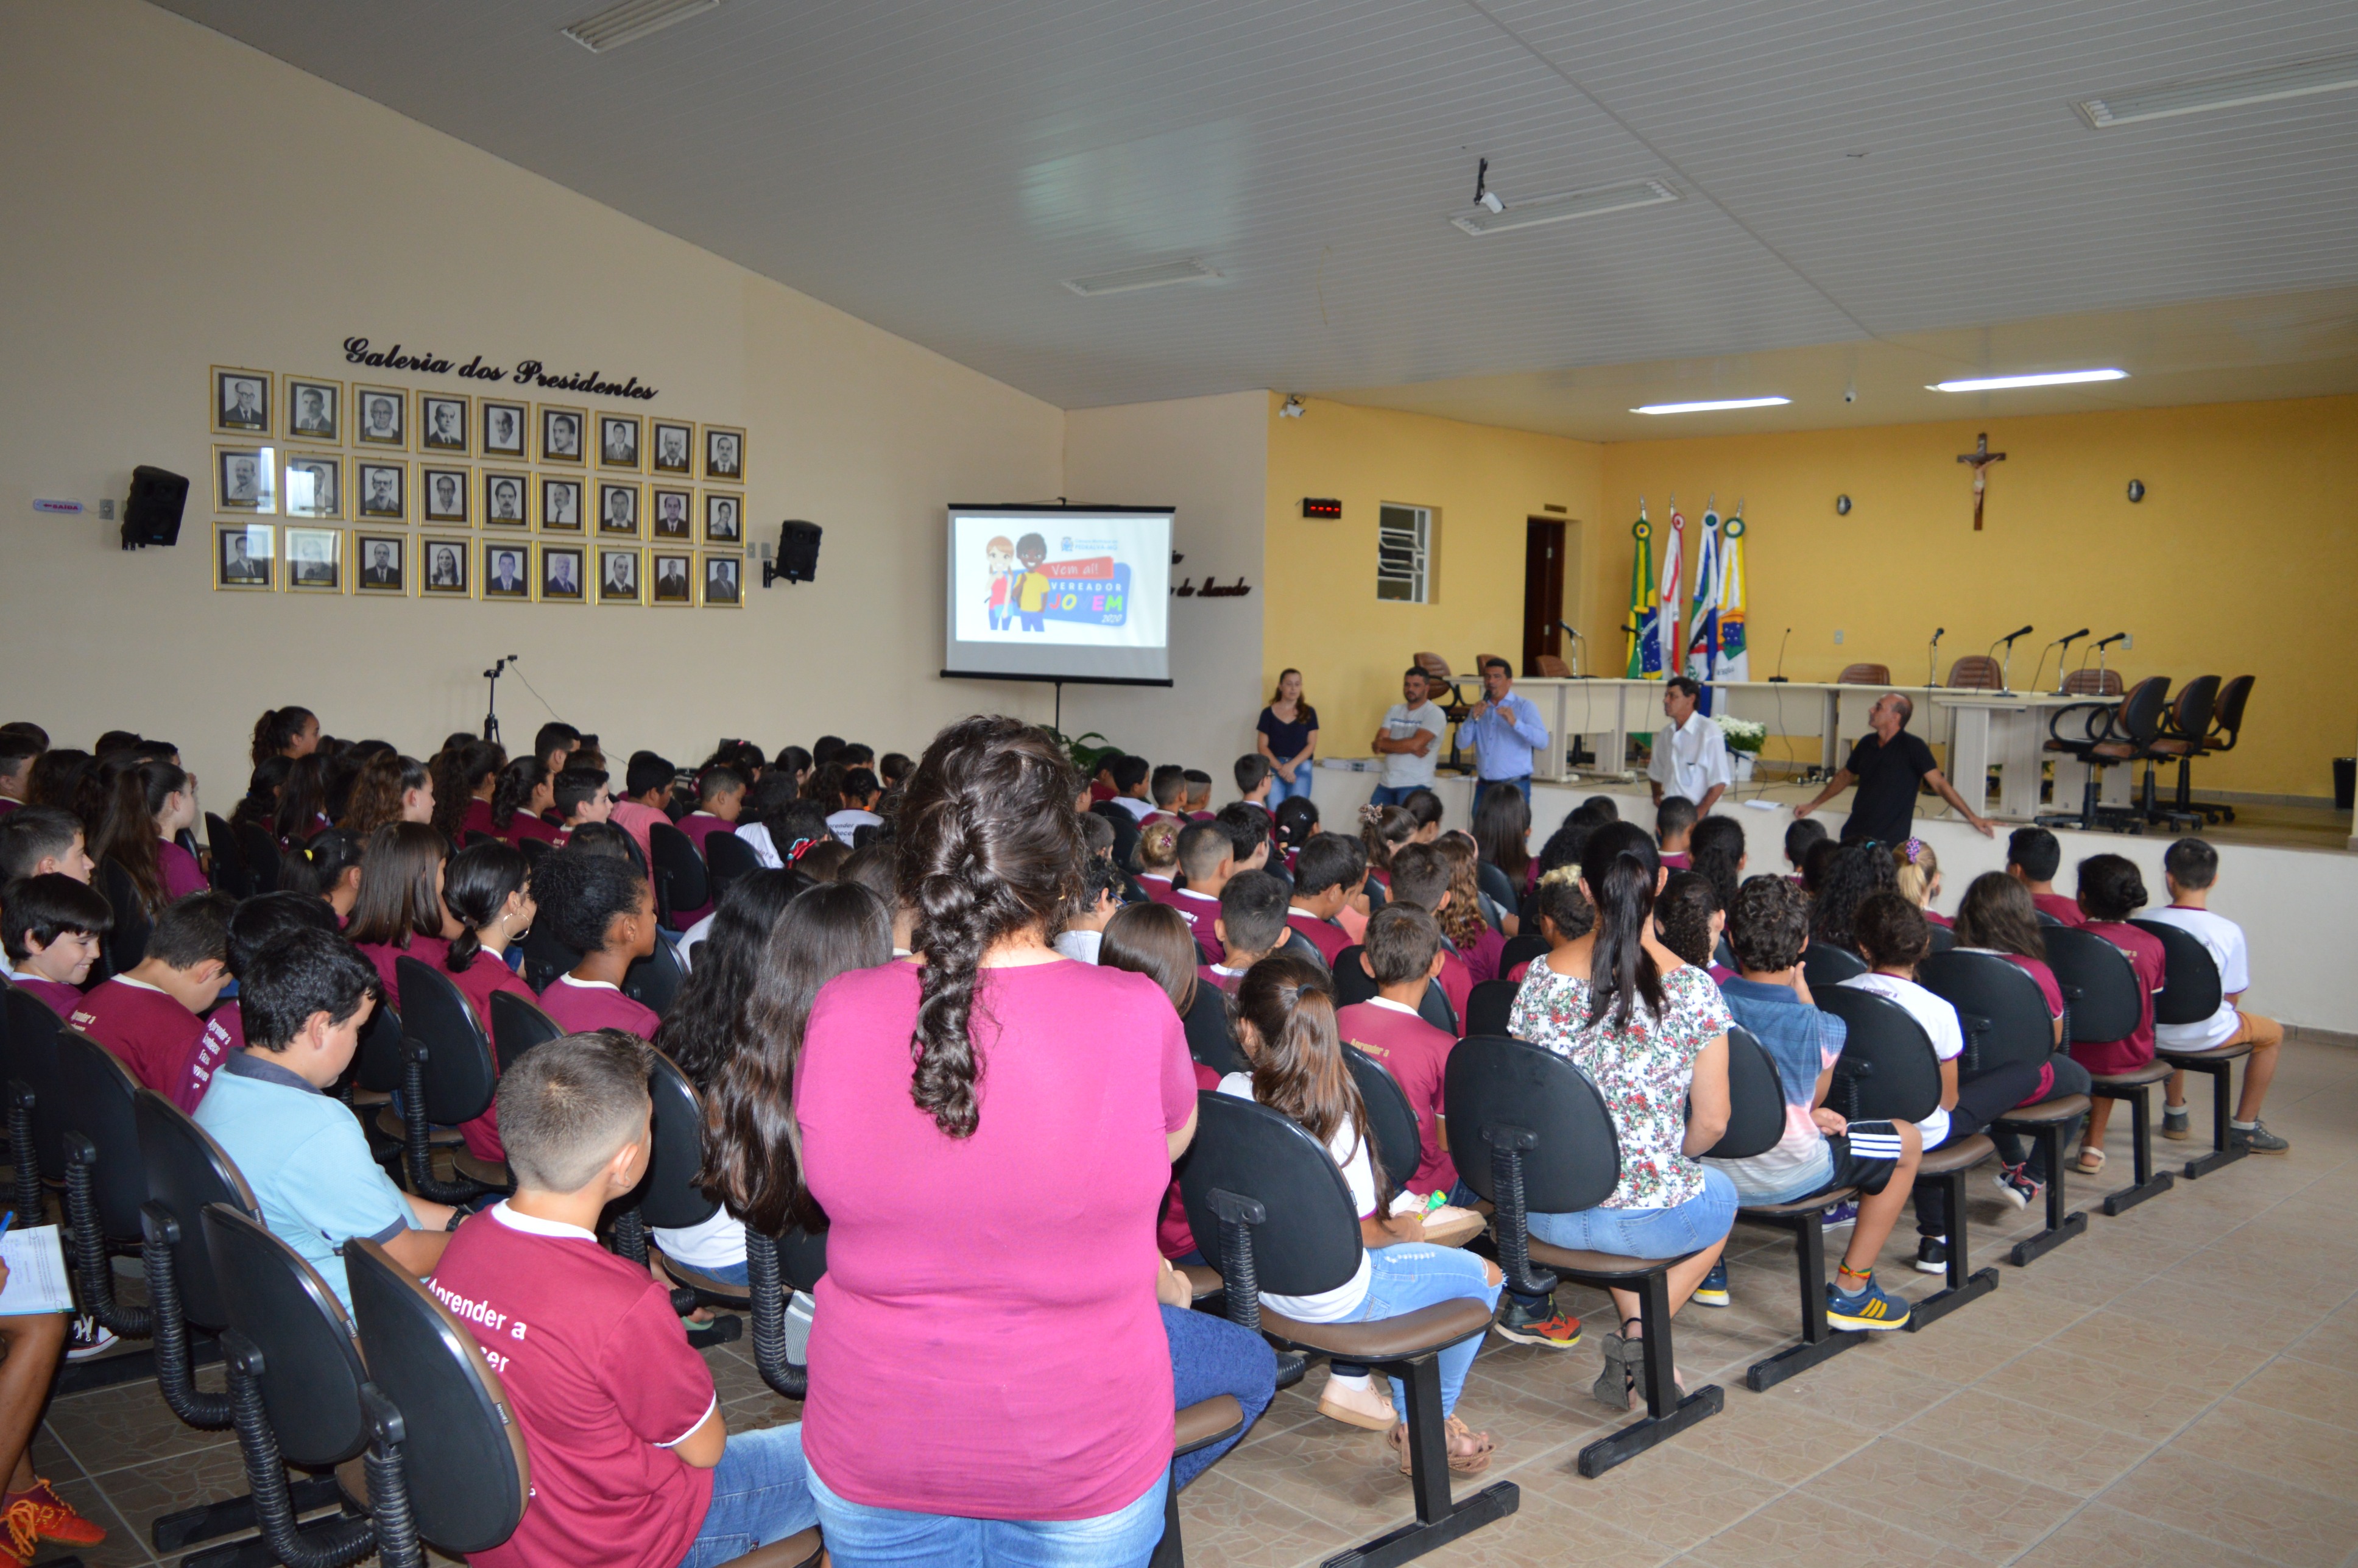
[173, 200]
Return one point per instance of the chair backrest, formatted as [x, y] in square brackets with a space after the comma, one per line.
[2138, 720]
[2189, 713]
[1823, 965]
[517, 1026]
[1488, 1007]
[1400, 1143]
[377, 1063]
[802, 1255]
[94, 1096]
[1975, 672]
[668, 1195]
[1864, 674]
[2191, 990]
[2003, 1009]
[1755, 1100]
[655, 980]
[126, 944]
[311, 1371]
[1553, 668]
[31, 1059]
[2092, 683]
[2227, 713]
[1208, 1040]
[1521, 949]
[1434, 667]
[1309, 1239]
[1297, 945]
[2099, 985]
[231, 873]
[465, 1462]
[186, 1170]
[545, 957]
[460, 1077]
[1509, 1091]
[727, 857]
[1888, 1067]
[680, 881]
[1434, 1009]
[534, 851]
[260, 851]
[1353, 982]
[1943, 937]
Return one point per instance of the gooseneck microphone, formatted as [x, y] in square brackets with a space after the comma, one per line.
[2063, 643]
[2115, 637]
[1579, 642]
[2005, 676]
[1779, 678]
[1933, 657]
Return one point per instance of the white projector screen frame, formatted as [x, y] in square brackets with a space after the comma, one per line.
[1104, 619]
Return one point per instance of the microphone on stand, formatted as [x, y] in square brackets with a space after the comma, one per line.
[1573, 632]
[1779, 678]
[2004, 680]
[2115, 637]
[1933, 657]
[2064, 643]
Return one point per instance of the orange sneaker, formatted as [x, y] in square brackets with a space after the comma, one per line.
[41, 1515]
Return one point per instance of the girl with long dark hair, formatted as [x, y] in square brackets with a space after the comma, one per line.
[147, 804]
[399, 910]
[302, 808]
[1996, 915]
[525, 790]
[328, 868]
[389, 787]
[464, 777]
[288, 732]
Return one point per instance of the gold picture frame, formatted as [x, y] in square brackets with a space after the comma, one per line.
[724, 454]
[444, 568]
[314, 559]
[446, 495]
[561, 442]
[671, 515]
[671, 578]
[506, 428]
[253, 567]
[618, 514]
[724, 518]
[311, 484]
[618, 437]
[381, 564]
[241, 402]
[380, 417]
[561, 505]
[671, 448]
[506, 570]
[380, 489]
[315, 409]
[567, 586]
[720, 582]
[506, 498]
[442, 423]
[245, 478]
[629, 562]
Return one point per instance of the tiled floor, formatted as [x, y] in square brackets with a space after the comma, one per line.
[2178, 1386]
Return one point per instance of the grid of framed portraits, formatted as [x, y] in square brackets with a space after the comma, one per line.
[323, 485]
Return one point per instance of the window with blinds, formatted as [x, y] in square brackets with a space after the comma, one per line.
[1404, 553]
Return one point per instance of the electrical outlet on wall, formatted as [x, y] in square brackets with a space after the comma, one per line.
[1837, 639]
[2129, 643]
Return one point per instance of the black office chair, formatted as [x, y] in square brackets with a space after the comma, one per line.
[1355, 983]
[1391, 1121]
[668, 1197]
[1284, 1222]
[679, 874]
[1943, 938]
[2102, 735]
[1825, 965]
[517, 1026]
[91, 1101]
[259, 848]
[655, 980]
[1519, 949]
[2226, 729]
[2006, 1021]
[448, 1077]
[727, 858]
[1208, 1038]
[2192, 993]
[2185, 730]
[28, 1066]
[1489, 1005]
[545, 958]
[230, 874]
[1889, 1073]
[1551, 1148]
[2102, 1001]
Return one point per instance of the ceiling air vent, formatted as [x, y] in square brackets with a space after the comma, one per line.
[633, 20]
[1124, 281]
[1559, 209]
[2328, 74]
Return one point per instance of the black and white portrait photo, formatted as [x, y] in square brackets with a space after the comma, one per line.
[315, 409]
[671, 517]
[721, 579]
[617, 510]
[618, 440]
[724, 454]
[503, 500]
[560, 574]
[560, 435]
[243, 555]
[560, 505]
[240, 402]
[444, 494]
[505, 574]
[673, 585]
[502, 429]
[721, 520]
[383, 417]
[377, 491]
[383, 559]
[618, 577]
[314, 560]
[442, 423]
[672, 445]
[314, 486]
[243, 479]
[445, 566]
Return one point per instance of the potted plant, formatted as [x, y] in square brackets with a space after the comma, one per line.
[1743, 740]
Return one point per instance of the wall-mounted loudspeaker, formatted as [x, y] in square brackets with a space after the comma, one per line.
[152, 513]
[797, 554]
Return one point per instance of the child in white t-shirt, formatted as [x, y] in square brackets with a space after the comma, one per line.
[2188, 869]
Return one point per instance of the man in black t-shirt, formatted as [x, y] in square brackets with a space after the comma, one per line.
[1886, 764]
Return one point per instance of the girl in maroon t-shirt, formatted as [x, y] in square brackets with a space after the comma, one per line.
[2112, 889]
[603, 908]
[146, 804]
[486, 887]
[328, 868]
[1996, 915]
[526, 789]
[399, 908]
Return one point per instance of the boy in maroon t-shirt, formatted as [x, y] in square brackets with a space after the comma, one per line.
[152, 1018]
[1207, 859]
[1250, 926]
[719, 797]
[633, 1465]
[52, 928]
[1404, 951]
[1674, 821]
[605, 910]
[2033, 856]
[1420, 877]
[1329, 872]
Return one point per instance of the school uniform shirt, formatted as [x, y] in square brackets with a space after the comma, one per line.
[603, 1385]
[1219, 976]
[1456, 980]
[1172, 1236]
[8, 804]
[476, 982]
[1199, 912]
[635, 819]
[1406, 770]
[478, 819]
[1329, 939]
[1351, 1156]
[427, 950]
[2037, 970]
[1934, 917]
[2225, 941]
[308, 1162]
[179, 871]
[2064, 910]
[581, 1005]
[1081, 946]
[701, 825]
[224, 1032]
[2150, 959]
[1678, 860]
[1142, 811]
[61, 998]
[162, 1043]
[1939, 1021]
[1481, 957]
[1417, 1055]
[523, 825]
[845, 824]
[1158, 890]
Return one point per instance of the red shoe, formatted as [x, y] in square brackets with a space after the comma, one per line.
[41, 1515]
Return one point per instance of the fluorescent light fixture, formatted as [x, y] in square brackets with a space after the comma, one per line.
[1123, 282]
[631, 20]
[2051, 378]
[1711, 408]
[2329, 73]
[1541, 209]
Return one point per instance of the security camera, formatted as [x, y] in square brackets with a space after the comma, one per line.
[1491, 199]
[1291, 407]
[1850, 393]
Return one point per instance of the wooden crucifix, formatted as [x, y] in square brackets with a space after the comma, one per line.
[1981, 456]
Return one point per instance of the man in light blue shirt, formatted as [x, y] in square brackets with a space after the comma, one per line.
[1504, 730]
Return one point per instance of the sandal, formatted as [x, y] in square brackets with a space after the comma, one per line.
[2091, 1161]
[1625, 1355]
[1473, 1457]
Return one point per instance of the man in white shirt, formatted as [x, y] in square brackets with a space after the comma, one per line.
[1410, 741]
[2189, 868]
[1689, 753]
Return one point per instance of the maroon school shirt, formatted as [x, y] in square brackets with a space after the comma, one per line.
[2150, 959]
[1329, 939]
[1678, 860]
[1482, 956]
[476, 982]
[1456, 982]
[61, 998]
[1219, 978]
[524, 826]
[1173, 1236]
[2066, 910]
[476, 820]
[179, 870]
[1417, 1055]
[427, 950]
[2037, 970]
[701, 825]
[1199, 912]
[150, 1032]
[579, 1006]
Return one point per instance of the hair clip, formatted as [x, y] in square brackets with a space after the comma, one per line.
[802, 846]
[1910, 850]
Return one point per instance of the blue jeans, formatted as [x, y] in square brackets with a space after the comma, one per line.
[1419, 1275]
[1484, 786]
[762, 1492]
[1209, 1357]
[1672, 1232]
[1279, 791]
[1394, 794]
[735, 1274]
[859, 1536]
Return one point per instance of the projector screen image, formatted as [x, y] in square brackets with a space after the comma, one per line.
[1063, 594]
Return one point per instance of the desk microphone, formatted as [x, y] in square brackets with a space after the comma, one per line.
[1573, 632]
[1779, 678]
[2009, 638]
[2006, 674]
[1933, 657]
[2065, 642]
[2115, 637]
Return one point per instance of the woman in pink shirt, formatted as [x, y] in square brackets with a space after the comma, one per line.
[990, 1306]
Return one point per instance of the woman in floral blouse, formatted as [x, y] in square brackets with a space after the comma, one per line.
[1651, 1031]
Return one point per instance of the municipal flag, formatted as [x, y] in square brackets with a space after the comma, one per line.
[1734, 648]
[1669, 656]
[1702, 615]
[1643, 655]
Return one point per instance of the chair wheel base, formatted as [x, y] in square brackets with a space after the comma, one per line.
[1935, 1307]
[1292, 1367]
[720, 1331]
[1638, 1436]
[2127, 1198]
[1413, 1540]
[2031, 1249]
[2217, 1159]
[1794, 1359]
[210, 1522]
[256, 1552]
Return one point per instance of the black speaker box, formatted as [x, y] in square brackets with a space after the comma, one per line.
[152, 513]
[798, 551]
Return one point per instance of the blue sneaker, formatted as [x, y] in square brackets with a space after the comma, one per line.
[1841, 1213]
[1712, 1292]
[1873, 1309]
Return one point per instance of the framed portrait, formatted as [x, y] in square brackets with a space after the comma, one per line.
[618, 441]
[245, 556]
[671, 513]
[561, 433]
[442, 422]
[671, 448]
[724, 453]
[560, 506]
[314, 560]
[724, 518]
[618, 577]
[445, 567]
[503, 428]
[560, 574]
[315, 410]
[241, 402]
[245, 478]
[507, 499]
[507, 570]
[724, 582]
[381, 563]
[442, 494]
[671, 578]
[617, 511]
[382, 417]
[380, 490]
[313, 485]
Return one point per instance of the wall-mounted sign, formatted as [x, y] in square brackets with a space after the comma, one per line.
[527, 372]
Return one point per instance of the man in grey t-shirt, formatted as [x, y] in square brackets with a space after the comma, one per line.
[1410, 741]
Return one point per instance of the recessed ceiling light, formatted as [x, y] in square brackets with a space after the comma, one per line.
[1571, 204]
[2052, 378]
[2328, 74]
[1189, 271]
[631, 20]
[1711, 408]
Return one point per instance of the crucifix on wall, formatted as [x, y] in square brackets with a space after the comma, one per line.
[1981, 456]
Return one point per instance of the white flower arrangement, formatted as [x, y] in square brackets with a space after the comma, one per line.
[1741, 734]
